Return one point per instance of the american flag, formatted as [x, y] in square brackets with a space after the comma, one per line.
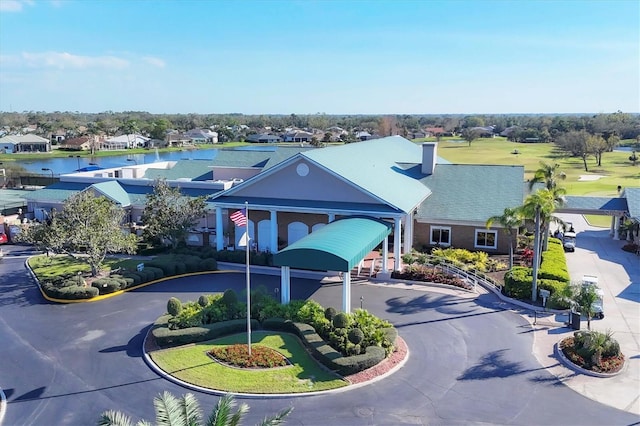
[239, 218]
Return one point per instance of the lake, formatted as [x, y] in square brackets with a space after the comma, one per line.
[69, 165]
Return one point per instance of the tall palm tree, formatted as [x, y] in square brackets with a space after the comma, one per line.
[549, 174]
[540, 206]
[510, 220]
[186, 411]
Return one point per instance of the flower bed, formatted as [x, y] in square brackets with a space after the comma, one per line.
[598, 364]
[429, 274]
[238, 356]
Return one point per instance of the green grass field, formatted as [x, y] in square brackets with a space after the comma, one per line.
[55, 265]
[191, 364]
[616, 168]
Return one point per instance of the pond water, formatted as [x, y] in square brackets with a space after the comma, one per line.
[71, 164]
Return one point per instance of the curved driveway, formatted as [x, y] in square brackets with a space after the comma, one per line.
[470, 362]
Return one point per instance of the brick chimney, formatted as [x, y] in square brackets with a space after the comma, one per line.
[429, 155]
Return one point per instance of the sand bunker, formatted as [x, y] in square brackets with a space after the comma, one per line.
[590, 177]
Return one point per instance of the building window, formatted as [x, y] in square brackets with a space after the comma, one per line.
[486, 239]
[441, 235]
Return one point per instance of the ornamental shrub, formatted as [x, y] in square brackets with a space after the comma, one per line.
[229, 298]
[208, 264]
[203, 301]
[330, 313]
[106, 285]
[517, 282]
[355, 336]
[341, 320]
[554, 262]
[174, 306]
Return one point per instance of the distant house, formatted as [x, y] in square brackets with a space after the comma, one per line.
[24, 143]
[417, 135]
[178, 139]
[299, 136]
[124, 142]
[434, 131]
[483, 132]
[78, 144]
[263, 138]
[58, 136]
[200, 136]
[508, 131]
[363, 136]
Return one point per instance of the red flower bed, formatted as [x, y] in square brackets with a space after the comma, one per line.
[607, 365]
[238, 356]
[431, 275]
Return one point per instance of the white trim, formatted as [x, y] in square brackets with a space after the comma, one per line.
[486, 231]
[439, 228]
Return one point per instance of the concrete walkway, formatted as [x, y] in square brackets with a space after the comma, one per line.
[619, 276]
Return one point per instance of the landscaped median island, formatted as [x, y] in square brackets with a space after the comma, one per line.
[321, 346]
[593, 351]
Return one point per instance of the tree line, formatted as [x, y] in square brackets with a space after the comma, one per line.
[522, 127]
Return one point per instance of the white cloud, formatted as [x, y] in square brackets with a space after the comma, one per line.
[14, 5]
[156, 62]
[62, 60]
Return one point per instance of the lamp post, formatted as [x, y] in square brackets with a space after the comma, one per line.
[78, 158]
[46, 169]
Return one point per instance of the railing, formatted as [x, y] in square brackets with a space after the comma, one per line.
[471, 275]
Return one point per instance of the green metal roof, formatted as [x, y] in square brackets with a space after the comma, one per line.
[338, 246]
[379, 166]
[471, 193]
[255, 157]
[198, 170]
[113, 191]
[633, 202]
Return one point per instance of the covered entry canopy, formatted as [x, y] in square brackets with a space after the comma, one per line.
[338, 246]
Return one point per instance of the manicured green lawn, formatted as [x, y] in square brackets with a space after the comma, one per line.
[191, 364]
[51, 266]
[616, 168]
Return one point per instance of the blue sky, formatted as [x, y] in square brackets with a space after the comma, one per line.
[335, 57]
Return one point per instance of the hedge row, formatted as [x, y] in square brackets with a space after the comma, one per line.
[554, 262]
[324, 353]
[166, 337]
[68, 292]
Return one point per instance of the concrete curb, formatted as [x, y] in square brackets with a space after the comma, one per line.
[348, 387]
[567, 362]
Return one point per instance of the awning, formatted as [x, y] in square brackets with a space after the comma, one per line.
[338, 246]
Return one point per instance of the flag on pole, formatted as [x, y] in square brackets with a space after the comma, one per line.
[239, 218]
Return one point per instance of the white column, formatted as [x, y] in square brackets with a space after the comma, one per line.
[273, 244]
[385, 254]
[332, 217]
[346, 292]
[396, 244]
[285, 285]
[616, 227]
[408, 234]
[219, 229]
[613, 226]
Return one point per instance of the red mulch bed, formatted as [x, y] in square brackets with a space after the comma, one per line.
[385, 366]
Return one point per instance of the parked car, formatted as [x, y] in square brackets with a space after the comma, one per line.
[3, 238]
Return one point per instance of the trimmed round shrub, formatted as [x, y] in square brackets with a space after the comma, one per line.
[203, 301]
[229, 297]
[208, 264]
[330, 313]
[106, 285]
[174, 306]
[356, 336]
[341, 320]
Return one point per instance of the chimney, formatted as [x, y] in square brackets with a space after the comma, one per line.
[429, 154]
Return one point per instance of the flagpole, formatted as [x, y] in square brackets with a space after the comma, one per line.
[246, 207]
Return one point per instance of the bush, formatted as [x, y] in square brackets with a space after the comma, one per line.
[208, 265]
[517, 282]
[106, 285]
[554, 262]
[72, 292]
[203, 301]
[166, 337]
[355, 336]
[330, 313]
[229, 297]
[341, 320]
[174, 306]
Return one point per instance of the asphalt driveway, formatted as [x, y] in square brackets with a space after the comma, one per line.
[471, 360]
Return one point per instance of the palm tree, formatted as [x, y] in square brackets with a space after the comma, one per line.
[510, 220]
[549, 175]
[186, 411]
[540, 206]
